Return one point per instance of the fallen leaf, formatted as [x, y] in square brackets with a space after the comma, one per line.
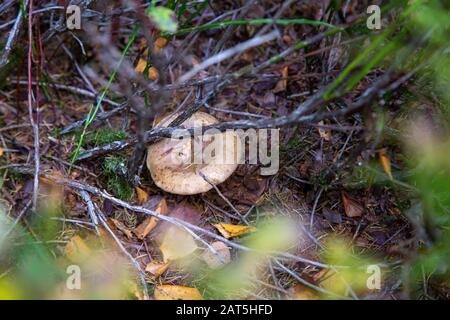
[282, 84]
[153, 73]
[172, 292]
[122, 228]
[177, 244]
[232, 230]
[142, 195]
[301, 292]
[160, 43]
[352, 207]
[157, 268]
[1, 151]
[386, 163]
[157, 204]
[141, 65]
[219, 259]
[77, 249]
[324, 133]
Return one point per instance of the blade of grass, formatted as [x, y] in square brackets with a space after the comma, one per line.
[196, 12]
[94, 110]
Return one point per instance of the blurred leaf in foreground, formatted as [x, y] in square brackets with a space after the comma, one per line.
[164, 19]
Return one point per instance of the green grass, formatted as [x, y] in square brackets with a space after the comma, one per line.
[94, 110]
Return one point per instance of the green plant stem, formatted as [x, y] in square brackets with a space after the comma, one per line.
[93, 111]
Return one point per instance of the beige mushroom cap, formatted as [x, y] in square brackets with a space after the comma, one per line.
[171, 161]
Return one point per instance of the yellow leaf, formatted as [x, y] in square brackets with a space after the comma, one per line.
[77, 249]
[152, 73]
[140, 67]
[150, 222]
[177, 244]
[157, 268]
[142, 195]
[219, 259]
[231, 230]
[171, 292]
[1, 151]
[386, 163]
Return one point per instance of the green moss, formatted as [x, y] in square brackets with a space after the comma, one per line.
[114, 169]
[101, 137]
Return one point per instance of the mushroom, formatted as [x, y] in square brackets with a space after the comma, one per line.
[173, 162]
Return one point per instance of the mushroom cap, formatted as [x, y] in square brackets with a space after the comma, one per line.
[171, 160]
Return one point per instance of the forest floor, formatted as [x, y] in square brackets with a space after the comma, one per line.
[341, 178]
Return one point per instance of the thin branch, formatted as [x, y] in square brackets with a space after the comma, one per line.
[30, 107]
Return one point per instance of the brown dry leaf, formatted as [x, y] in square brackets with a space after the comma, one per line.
[172, 292]
[282, 84]
[386, 162]
[177, 244]
[352, 207]
[232, 230]
[122, 228]
[1, 151]
[157, 268]
[153, 73]
[77, 249]
[160, 43]
[142, 195]
[301, 292]
[157, 204]
[145, 227]
[324, 133]
[219, 259]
